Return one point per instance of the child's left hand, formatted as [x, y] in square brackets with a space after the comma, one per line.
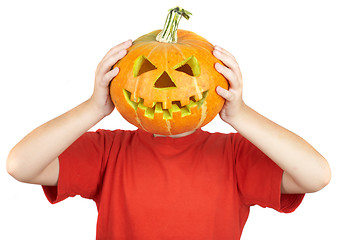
[304, 169]
[234, 103]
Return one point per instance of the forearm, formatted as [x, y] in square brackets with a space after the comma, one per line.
[44, 144]
[305, 170]
[34, 158]
[289, 151]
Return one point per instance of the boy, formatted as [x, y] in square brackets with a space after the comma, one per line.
[194, 185]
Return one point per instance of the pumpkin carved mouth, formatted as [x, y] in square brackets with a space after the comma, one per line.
[158, 106]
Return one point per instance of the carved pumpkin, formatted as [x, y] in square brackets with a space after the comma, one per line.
[167, 85]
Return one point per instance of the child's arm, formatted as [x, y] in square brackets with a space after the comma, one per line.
[35, 158]
[305, 170]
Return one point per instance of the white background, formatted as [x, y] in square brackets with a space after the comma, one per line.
[48, 56]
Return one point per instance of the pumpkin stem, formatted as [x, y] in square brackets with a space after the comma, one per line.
[169, 33]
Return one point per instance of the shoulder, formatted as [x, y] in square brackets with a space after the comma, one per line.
[115, 132]
[219, 136]
[227, 142]
[104, 137]
[115, 136]
[220, 140]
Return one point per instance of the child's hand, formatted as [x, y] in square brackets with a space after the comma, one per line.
[231, 71]
[100, 98]
[304, 169]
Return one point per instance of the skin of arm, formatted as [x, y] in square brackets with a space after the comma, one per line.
[305, 170]
[35, 158]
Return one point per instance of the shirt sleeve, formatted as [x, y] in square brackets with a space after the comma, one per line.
[80, 168]
[259, 178]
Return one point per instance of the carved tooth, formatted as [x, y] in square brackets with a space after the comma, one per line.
[158, 108]
[191, 105]
[134, 98]
[185, 111]
[198, 96]
[149, 112]
[185, 101]
[175, 111]
[148, 103]
[158, 111]
[167, 105]
[166, 114]
[177, 103]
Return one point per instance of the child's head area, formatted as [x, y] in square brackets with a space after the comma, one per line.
[165, 92]
[166, 82]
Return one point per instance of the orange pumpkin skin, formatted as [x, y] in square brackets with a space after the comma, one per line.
[150, 101]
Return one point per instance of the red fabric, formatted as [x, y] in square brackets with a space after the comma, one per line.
[200, 186]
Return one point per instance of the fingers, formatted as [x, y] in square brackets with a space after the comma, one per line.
[232, 78]
[216, 47]
[119, 47]
[224, 93]
[109, 76]
[106, 65]
[231, 70]
[227, 59]
[104, 73]
[112, 57]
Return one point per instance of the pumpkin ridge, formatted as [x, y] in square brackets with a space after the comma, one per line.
[168, 124]
[179, 50]
[145, 44]
[149, 54]
[199, 94]
[189, 43]
[203, 115]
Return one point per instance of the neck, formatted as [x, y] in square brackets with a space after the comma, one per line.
[176, 136]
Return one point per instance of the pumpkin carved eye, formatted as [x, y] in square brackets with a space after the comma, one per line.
[189, 66]
[142, 65]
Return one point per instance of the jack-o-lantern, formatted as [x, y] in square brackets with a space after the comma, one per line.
[166, 84]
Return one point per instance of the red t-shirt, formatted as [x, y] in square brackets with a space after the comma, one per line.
[200, 186]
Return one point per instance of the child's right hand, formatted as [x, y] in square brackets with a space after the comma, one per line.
[100, 98]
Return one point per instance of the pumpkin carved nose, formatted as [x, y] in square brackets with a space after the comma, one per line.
[164, 81]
